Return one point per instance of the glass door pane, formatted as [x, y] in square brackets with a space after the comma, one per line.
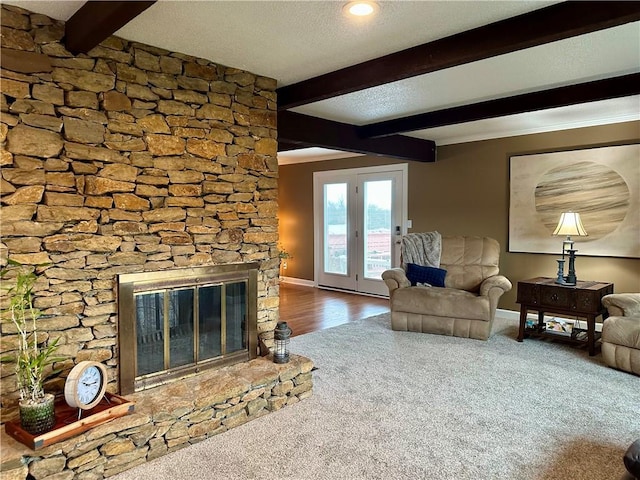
[379, 220]
[335, 228]
[377, 228]
[150, 332]
[210, 314]
[181, 335]
[236, 324]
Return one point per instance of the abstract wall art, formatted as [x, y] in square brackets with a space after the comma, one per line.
[602, 184]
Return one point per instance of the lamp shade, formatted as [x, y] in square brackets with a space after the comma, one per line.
[570, 224]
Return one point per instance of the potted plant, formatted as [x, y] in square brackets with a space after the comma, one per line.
[284, 256]
[32, 358]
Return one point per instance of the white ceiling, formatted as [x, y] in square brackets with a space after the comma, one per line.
[296, 40]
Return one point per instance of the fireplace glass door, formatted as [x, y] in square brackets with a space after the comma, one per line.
[186, 326]
[174, 324]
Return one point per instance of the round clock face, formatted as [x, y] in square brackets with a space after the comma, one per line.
[89, 384]
[85, 385]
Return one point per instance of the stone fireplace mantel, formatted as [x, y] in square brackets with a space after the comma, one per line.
[167, 418]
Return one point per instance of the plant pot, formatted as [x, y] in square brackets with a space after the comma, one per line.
[39, 417]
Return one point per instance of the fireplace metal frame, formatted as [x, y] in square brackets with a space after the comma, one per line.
[131, 283]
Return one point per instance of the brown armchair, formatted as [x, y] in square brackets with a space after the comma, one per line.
[466, 305]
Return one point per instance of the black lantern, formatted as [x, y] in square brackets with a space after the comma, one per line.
[282, 335]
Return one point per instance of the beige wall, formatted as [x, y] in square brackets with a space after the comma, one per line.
[465, 192]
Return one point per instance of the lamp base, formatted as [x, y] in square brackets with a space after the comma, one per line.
[560, 274]
[569, 280]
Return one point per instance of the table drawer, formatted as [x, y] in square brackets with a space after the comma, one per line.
[555, 297]
[591, 301]
[528, 293]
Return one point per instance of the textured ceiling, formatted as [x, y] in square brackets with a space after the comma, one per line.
[294, 41]
[583, 58]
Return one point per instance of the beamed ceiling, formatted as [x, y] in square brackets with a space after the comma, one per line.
[418, 75]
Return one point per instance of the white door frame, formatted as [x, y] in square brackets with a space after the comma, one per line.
[319, 177]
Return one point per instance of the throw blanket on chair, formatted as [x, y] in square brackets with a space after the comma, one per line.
[422, 249]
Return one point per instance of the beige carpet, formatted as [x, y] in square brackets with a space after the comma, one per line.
[399, 405]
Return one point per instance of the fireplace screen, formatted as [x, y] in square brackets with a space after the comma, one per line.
[181, 321]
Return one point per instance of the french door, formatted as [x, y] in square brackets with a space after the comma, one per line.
[359, 221]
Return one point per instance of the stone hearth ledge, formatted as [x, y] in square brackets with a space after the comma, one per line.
[166, 418]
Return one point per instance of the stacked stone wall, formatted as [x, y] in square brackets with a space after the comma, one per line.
[127, 159]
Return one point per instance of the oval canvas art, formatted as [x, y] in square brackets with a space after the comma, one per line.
[601, 184]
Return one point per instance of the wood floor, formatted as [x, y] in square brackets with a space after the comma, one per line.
[307, 309]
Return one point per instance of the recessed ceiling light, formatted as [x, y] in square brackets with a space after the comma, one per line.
[360, 8]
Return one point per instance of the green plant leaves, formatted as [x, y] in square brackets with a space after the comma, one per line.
[32, 358]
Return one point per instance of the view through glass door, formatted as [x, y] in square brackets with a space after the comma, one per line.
[358, 221]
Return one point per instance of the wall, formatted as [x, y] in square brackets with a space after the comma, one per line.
[127, 159]
[465, 192]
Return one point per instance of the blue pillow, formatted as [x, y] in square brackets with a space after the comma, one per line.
[430, 275]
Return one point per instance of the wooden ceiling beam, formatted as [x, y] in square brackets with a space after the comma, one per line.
[97, 20]
[306, 131]
[286, 146]
[545, 25]
[594, 91]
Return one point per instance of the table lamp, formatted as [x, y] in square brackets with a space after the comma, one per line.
[569, 224]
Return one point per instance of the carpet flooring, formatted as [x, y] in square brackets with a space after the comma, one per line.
[400, 405]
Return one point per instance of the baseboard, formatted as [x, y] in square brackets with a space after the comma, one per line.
[508, 314]
[298, 281]
[513, 315]
[331, 289]
[311, 283]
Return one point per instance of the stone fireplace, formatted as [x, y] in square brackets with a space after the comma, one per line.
[177, 323]
[125, 161]
[128, 160]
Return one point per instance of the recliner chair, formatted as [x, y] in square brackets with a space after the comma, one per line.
[621, 332]
[465, 306]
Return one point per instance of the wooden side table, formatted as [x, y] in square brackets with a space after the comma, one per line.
[582, 300]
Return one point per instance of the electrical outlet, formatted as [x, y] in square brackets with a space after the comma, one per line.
[284, 265]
